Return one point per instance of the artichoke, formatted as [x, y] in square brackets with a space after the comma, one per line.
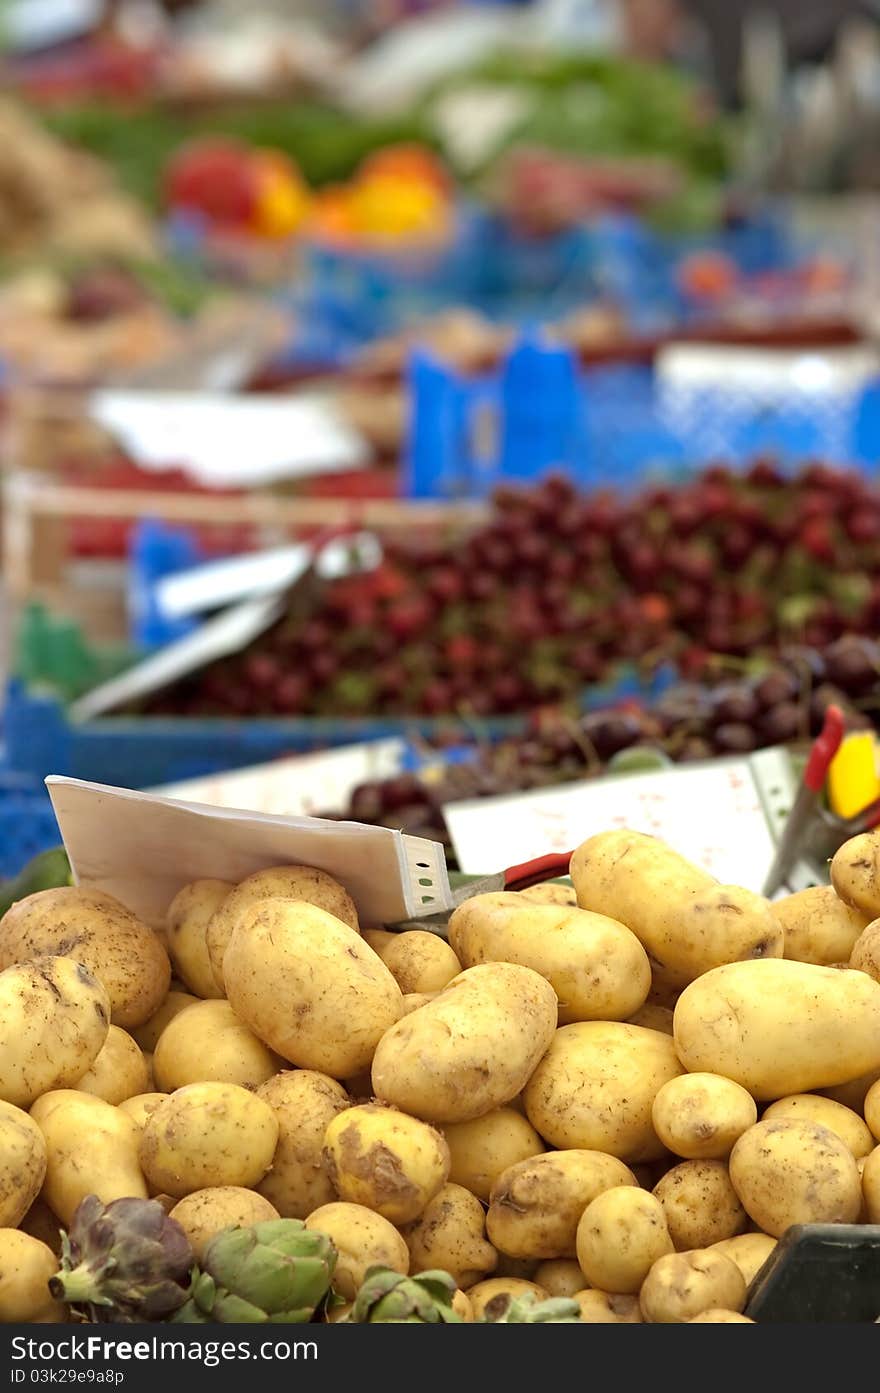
[278, 1271]
[123, 1262]
[526, 1310]
[387, 1296]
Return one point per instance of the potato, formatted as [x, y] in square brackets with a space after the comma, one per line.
[549, 892]
[700, 1204]
[560, 1276]
[363, 1239]
[471, 1049]
[41, 1223]
[686, 921]
[718, 1316]
[450, 1235]
[653, 1017]
[208, 1134]
[811, 1107]
[148, 1034]
[462, 1307]
[502, 1287]
[854, 873]
[302, 884]
[26, 1265]
[22, 1164]
[780, 1027]
[186, 923]
[872, 1108]
[420, 961]
[208, 1043]
[853, 1093]
[205, 1213]
[141, 1106]
[700, 1116]
[118, 1071]
[378, 939]
[385, 1160]
[819, 927]
[597, 968]
[788, 1172]
[305, 1104]
[620, 1234]
[596, 1085]
[96, 930]
[91, 1149]
[535, 1204]
[865, 954]
[484, 1147]
[412, 1001]
[54, 1019]
[871, 1186]
[682, 1285]
[749, 1251]
[608, 1308]
[309, 986]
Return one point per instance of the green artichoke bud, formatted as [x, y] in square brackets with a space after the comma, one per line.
[276, 1272]
[387, 1296]
[123, 1262]
[527, 1310]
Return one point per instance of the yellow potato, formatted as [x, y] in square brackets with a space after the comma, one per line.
[683, 1285]
[596, 1085]
[298, 883]
[450, 1235]
[462, 1307]
[420, 962]
[54, 1019]
[378, 939]
[871, 1186]
[140, 1107]
[535, 1204]
[701, 1116]
[872, 1109]
[208, 1134]
[186, 923]
[385, 1160]
[305, 1103]
[749, 1251]
[812, 1107]
[471, 1049]
[819, 927]
[653, 1017]
[148, 1034]
[22, 1164]
[91, 1149]
[94, 929]
[412, 1001]
[26, 1265]
[865, 955]
[501, 1290]
[309, 986]
[205, 1213]
[484, 1147]
[208, 1043]
[363, 1239]
[549, 892]
[608, 1308]
[718, 1316]
[597, 968]
[780, 1027]
[621, 1233]
[854, 873]
[686, 921]
[788, 1172]
[700, 1204]
[118, 1071]
[560, 1276]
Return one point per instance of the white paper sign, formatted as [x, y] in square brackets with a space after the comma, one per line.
[304, 785]
[712, 814]
[225, 441]
[143, 849]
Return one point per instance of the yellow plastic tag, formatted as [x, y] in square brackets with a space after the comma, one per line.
[853, 779]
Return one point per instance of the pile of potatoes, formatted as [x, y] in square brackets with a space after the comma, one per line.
[624, 1092]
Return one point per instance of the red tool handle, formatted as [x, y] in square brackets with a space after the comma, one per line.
[824, 749]
[535, 872]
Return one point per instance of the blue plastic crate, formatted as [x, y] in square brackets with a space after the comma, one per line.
[27, 822]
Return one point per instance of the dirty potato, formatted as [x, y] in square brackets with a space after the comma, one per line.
[420, 962]
[208, 1134]
[22, 1164]
[186, 923]
[450, 1235]
[484, 1147]
[535, 1205]
[812, 1107]
[386, 1161]
[701, 1116]
[118, 1071]
[683, 1285]
[789, 1172]
[304, 1103]
[363, 1239]
[205, 1213]
[620, 1235]
[700, 1204]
